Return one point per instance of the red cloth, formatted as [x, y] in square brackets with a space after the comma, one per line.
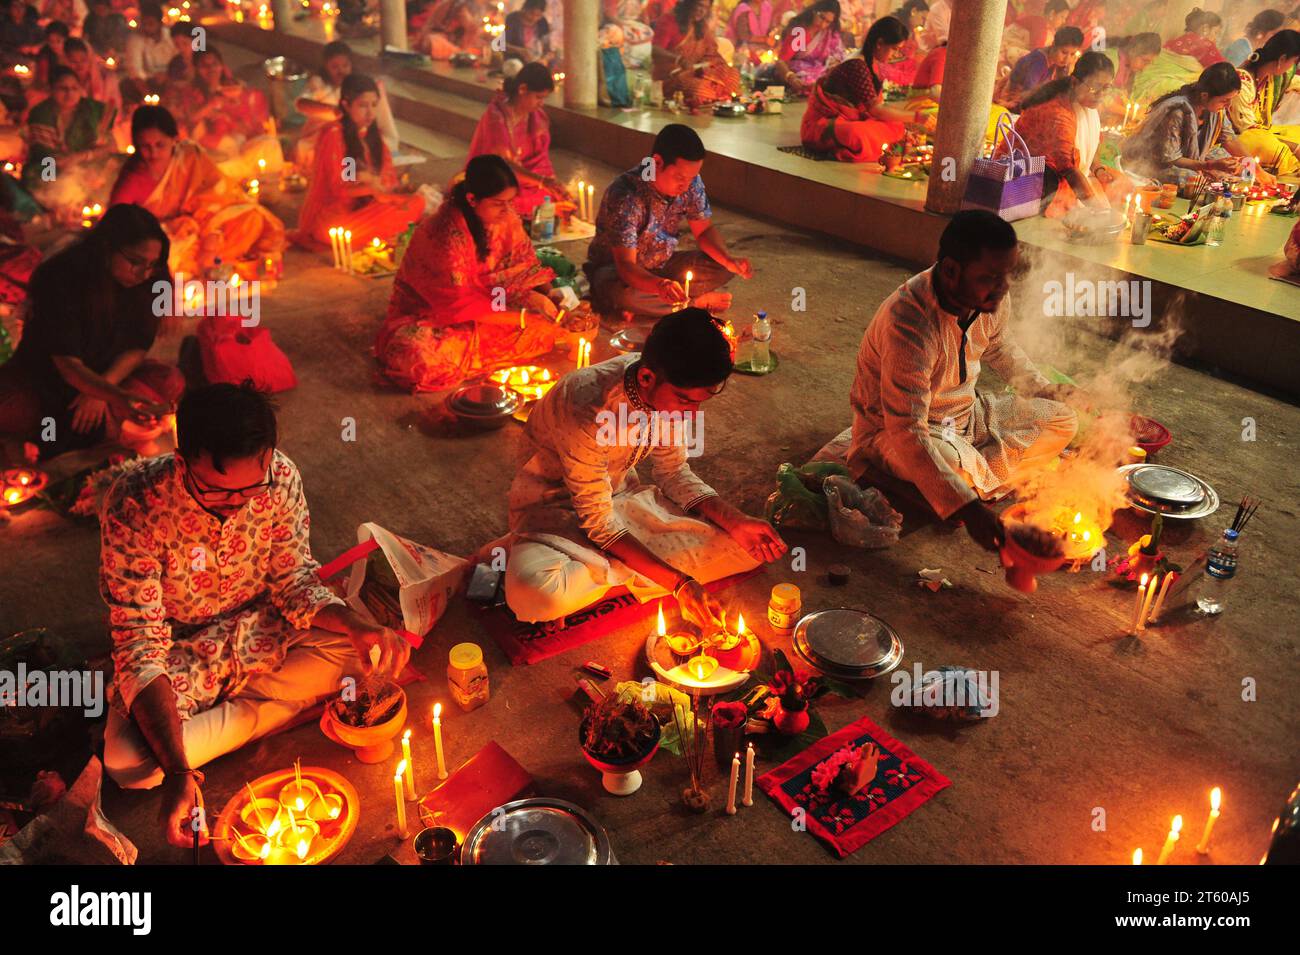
[930, 72]
[1189, 44]
[903, 783]
[1038, 29]
[232, 353]
[667, 33]
[488, 779]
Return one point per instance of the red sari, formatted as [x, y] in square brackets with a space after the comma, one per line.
[1189, 44]
[434, 335]
[838, 117]
[328, 204]
[716, 80]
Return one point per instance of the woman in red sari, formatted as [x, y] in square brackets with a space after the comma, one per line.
[846, 115]
[1201, 38]
[226, 117]
[516, 128]
[686, 57]
[470, 292]
[353, 183]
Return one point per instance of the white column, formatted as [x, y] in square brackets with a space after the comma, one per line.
[282, 11]
[974, 37]
[392, 23]
[581, 22]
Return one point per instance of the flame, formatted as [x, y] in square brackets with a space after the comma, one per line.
[300, 806]
[699, 671]
[266, 850]
[13, 496]
[523, 376]
[740, 624]
[437, 710]
[27, 479]
[273, 828]
[407, 736]
[234, 279]
[302, 849]
[1137, 856]
[662, 628]
[334, 812]
[375, 241]
[1177, 826]
[1216, 796]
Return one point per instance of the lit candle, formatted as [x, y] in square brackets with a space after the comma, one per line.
[1137, 856]
[1146, 605]
[334, 244]
[582, 199]
[437, 739]
[731, 787]
[586, 353]
[347, 245]
[521, 319]
[1215, 796]
[261, 167]
[1128, 201]
[591, 203]
[401, 803]
[1172, 841]
[689, 276]
[1160, 600]
[748, 799]
[410, 765]
[1137, 613]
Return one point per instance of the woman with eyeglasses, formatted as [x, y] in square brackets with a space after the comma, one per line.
[470, 292]
[80, 369]
[1059, 121]
[846, 114]
[205, 213]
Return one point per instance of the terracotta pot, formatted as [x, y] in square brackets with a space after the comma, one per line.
[892, 162]
[790, 722]
[372, 744]
[621, 777]
[1023, 568]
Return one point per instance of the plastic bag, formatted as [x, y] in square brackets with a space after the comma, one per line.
[860, 517]
[231, 353]
[794, 503]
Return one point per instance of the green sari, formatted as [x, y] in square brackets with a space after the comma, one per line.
[82, 133]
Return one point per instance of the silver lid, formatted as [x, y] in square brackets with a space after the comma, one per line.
[848, 643]
[539, 831]
[1167, 485]
[484, 400]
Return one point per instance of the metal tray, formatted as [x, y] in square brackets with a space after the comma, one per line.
[539, 831]
[1174, 494]
[848, 643]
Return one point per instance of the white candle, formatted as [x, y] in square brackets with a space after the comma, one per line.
[347, 244]
[586, 353]
[1137, 856]
[1215, 796]
[1137, 613]
[437, 739]
[410, 765]
[582, 199]
[1146, 605]
[1160, 600]
[401, 803]
[748, 799]
[731, 788]
[1172, 841]
[689, 276]
[591, 203]
[521, 319]
[334, 244]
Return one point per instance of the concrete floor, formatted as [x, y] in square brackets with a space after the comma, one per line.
[1089, 718]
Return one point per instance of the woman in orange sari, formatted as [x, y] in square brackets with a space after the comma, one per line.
[470, 292]
[686, 57]
[353, 183]
[205, 214]
[225, 117]
[846, 115]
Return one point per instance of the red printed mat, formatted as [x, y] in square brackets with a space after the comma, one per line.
[526, 643]
[846, 823]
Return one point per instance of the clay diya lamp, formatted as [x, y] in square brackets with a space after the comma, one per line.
[298, 838]
[1023, 566]
[251, 848]
[263, 815]
[700, 668]
[299, 794]
[683, 644]
[621, 777]
[371, 744]
[326, 809]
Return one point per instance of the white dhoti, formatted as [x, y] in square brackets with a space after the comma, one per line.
[314, 664]
[549, 576]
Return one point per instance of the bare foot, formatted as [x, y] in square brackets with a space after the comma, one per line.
[714, 301]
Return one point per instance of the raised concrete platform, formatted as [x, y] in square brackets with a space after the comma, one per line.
[1236, 321]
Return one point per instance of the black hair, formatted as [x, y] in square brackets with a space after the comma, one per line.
[1055, 6]
[1280, 46]
[1090, 64]
[678, 141]
[227, 421]
[333, 49]
[1201, 18]
[75, 44]
[1264, 22]
[182, 28]
[805, 17]
[682, 14]
[1139, 44]
[485, 176]
[1217, 80]
[971, 233]
[59, 72]
[59, 27]
[369, 154]
[534, 5]
[1067, 36]
[888, 31]
[153, 117]
[534, 77]
[150, 10]
[199, 55]
[907, 9]
[688, 349]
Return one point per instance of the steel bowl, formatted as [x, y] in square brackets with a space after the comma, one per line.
[847, 643]
[1160, 489]
[539, 831]
[484, 405]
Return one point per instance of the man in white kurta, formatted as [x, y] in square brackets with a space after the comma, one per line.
[582, 521]
[916, 412]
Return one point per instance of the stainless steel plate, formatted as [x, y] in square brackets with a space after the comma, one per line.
[1166, 485]
[484, 399]
[848, 643]
[1202, 507]
[537, 832]
[630, 339]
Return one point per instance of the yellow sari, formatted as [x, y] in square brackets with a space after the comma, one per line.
[1251, 113]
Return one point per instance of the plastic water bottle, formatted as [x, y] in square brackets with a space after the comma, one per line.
[1220, 567]
[544, 221]
[761, 356]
